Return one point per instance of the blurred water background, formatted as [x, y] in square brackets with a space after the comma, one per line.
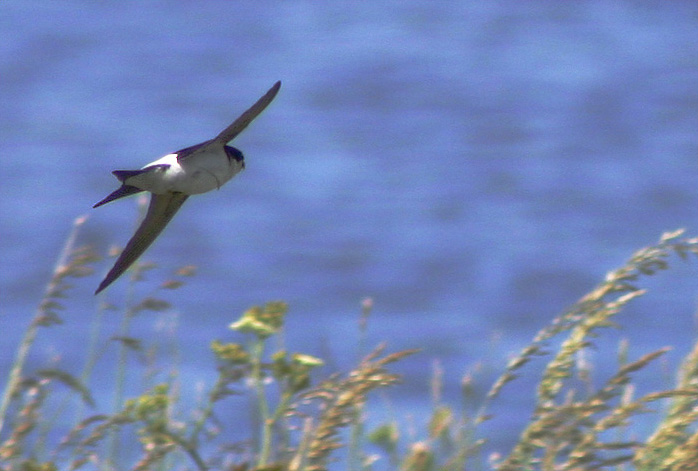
[473, 167]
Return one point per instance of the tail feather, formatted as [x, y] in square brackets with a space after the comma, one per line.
[122, 191]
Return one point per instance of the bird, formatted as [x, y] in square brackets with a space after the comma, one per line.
[174, 177]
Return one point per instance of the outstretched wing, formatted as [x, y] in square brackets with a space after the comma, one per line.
[229, 133]
[161, 210]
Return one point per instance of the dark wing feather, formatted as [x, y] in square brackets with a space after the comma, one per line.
[187, 151]
[229, 133]
[161, 210]
[124, 175]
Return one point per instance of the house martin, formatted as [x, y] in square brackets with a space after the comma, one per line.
[174, 177]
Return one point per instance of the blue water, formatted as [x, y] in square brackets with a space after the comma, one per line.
[474, 167]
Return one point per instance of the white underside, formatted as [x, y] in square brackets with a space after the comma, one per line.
[206, 170]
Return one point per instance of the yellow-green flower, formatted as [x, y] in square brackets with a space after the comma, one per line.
[262, 321]
[230, 352]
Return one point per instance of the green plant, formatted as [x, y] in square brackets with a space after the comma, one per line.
[50, 420]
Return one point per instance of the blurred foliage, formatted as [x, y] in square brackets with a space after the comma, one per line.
[305, 417]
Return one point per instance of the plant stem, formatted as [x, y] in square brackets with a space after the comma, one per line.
[267, 421]
[30, 335]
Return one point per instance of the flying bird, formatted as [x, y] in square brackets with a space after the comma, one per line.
[174, 177]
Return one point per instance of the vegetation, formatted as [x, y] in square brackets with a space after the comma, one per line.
[49, 419]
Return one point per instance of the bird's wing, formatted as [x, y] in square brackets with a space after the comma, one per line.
[182, 154]
[124, 175]
[229, 133]
[161, 210]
